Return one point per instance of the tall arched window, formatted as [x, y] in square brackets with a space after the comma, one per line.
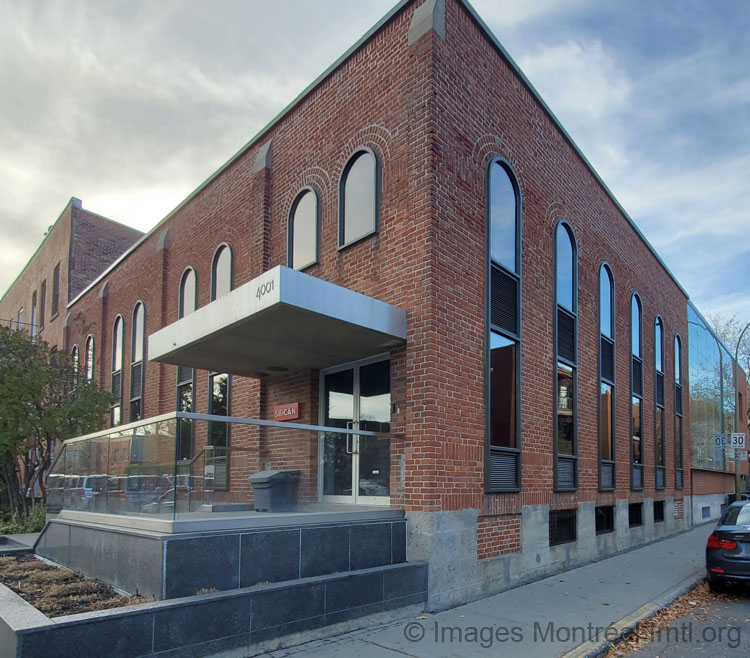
[606, 379]
[186, 375]
[304, 220]
[89, 358]
[566, 331]
[137, 370]
[75, 359]
[118, 336]
[188, 293]
[678, 432]
[359, 197]
[636, 392]
[659, 448]
[222, 272]
[502, 461]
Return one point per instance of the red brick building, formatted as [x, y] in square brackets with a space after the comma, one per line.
[416, 247]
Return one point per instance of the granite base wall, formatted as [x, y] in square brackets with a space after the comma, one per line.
[175, 565]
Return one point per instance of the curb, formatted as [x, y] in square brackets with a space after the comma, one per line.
[633, 620]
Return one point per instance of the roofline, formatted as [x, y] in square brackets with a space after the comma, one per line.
[504, 53]
[716, 337]
[360, 43]
[71, 203]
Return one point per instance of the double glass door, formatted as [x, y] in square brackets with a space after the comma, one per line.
[356, 469]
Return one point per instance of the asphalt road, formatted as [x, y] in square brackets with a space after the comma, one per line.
[722, 629]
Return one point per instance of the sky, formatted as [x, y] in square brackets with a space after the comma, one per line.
[130, 105]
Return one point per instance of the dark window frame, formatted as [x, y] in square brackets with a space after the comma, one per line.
[516, 275]
[55, 303]
[660, 517]
[679, 431]
[42, 303]
[659, 376]
[290, 228]
[214, 266]
[181, 296]
[356, 154]
[211, 410]
[75, 359]
[564, 225]
[34, 313]
[636, 358]
[117, 374]
[606, 270]
[635, 515]
[556, 518]
[184, 424]
[90, 358]
[605, 513]
[134, 364]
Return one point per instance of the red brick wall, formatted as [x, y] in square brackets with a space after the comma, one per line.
[436, 113]
[52, 250]
[711, 482]
[498, 535]
[96, 242]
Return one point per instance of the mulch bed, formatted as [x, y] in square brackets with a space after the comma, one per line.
[56, 591]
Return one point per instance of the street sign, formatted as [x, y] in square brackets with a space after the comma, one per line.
[737, 440]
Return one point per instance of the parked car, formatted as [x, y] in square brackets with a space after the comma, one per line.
[140, 490]
[728, 548]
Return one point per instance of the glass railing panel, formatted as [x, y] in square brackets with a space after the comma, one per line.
[151, 469]
[141, 471]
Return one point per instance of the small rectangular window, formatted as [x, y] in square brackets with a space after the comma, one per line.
[56, 290]
[658, 511]
[605, 520]
[562, 526]
[42, 304]
[635, 514]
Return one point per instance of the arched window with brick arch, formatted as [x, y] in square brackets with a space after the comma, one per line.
[304, 230]
[636, 392]
[566, 348]
[606, 378]
[359, 197]
[503, 441]
[222, 272]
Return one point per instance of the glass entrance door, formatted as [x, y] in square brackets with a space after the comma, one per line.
[356, 469]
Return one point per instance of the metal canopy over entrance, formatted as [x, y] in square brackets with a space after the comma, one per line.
[283, 320]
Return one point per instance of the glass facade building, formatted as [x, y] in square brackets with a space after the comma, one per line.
[712, 393]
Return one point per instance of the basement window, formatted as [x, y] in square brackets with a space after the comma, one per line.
[635, 515]
[562, 526]
[605, 520]
[658, 511]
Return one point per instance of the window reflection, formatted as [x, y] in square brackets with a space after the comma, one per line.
[565, 268]
[637, 417]
[502, 391]
[502, 217]
[606, 434]
[565, 409]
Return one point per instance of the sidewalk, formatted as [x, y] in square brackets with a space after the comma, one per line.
[570, 614]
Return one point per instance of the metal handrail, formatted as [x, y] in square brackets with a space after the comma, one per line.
[176, 415]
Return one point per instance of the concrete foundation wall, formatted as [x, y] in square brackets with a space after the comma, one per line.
[715, 504]
[448, 542]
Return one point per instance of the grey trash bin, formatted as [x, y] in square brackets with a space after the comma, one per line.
[274, 491]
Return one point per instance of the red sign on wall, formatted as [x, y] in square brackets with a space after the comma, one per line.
[286, 411]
